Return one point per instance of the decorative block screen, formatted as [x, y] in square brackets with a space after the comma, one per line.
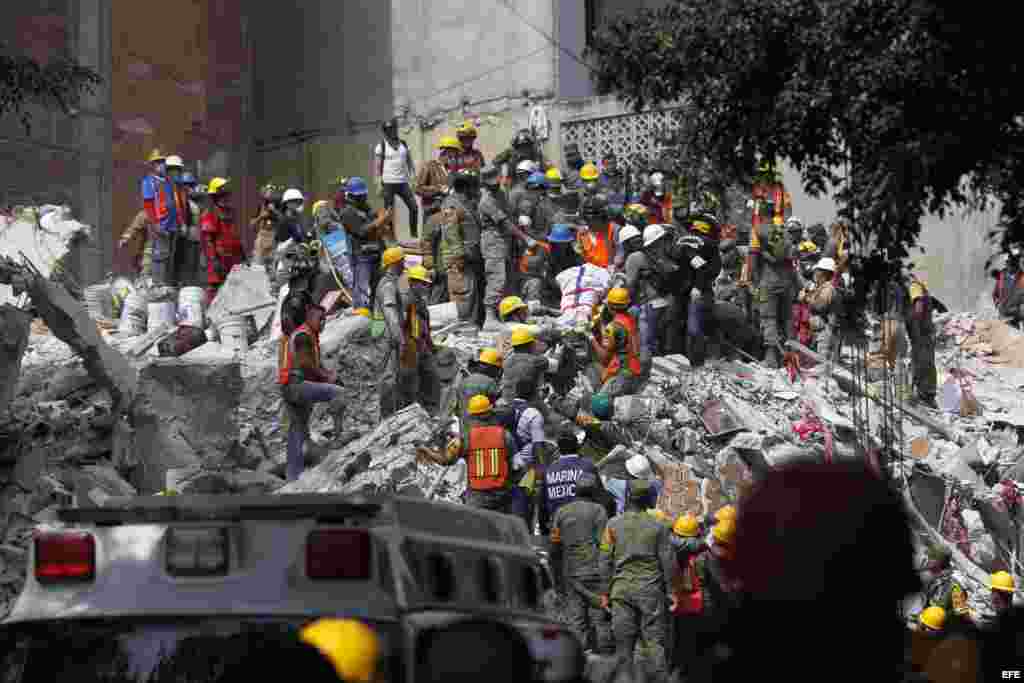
[629, 136]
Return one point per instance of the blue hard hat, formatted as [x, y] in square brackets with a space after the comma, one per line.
[633, 199]
[536, 179]
[357, 186]
[561, 233]
[188, 179]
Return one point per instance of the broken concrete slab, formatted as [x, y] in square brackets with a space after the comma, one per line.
[238, 482]
[15, 326]
[184, 414]
[93, 484]
[245, 288]
[385, 461]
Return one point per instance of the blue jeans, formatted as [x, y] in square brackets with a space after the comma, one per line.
[300, 398]
[362, 274]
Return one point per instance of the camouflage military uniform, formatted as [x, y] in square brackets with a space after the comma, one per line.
[461, 240]
[473, 384]
[494, 245]
[578, 527]
[389, 329]
[637, 566]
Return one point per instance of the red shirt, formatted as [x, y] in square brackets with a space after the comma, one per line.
[221, 242]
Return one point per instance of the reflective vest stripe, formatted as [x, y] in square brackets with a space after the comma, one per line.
[632, 350]
[487, 458]
[286, 353]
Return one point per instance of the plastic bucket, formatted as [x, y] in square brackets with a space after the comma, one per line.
[98, 301]
[234, 333]
[161, 314]
[133, 314]
[191, 302]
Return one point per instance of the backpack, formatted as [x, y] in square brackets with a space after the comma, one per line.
[383, 152]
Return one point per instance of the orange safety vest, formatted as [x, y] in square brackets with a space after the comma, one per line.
[163, 201]
[529, 258]
[286, 352]
[632, 350]
[597, 248]
[487, 458]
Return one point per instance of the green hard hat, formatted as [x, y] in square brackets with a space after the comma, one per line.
[601, 406]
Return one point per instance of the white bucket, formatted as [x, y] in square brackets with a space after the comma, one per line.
[133, 314]
[161, 314]
[190, 306]
[442, 314]
[98, 301]
[234, 333]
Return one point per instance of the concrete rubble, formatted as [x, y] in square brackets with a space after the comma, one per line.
[88, 415]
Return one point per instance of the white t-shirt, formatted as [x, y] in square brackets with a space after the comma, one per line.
[396, 162]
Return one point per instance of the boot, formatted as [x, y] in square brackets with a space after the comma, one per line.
[491, 322]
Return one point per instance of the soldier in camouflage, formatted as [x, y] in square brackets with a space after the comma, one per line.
[496, 229]
[460, 246]
[483, 380]
[389, 326]
[576, 533]
[637, 564]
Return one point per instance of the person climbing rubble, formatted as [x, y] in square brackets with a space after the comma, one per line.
[637, 562]
[616, 346]
[391, 329]
[395, 170]
[778, 287]
[418, 380]
[221, 241]
[304, 382]
[487, 447]
[576, 532]
[366, 234]
[496, 229]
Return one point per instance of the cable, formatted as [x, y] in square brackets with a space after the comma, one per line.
[508, 5]
[479, 76]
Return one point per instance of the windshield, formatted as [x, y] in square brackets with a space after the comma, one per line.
[132, 651]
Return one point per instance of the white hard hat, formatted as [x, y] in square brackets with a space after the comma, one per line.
[526, 166]
[628, 232]
[639, 466]
[292, 195]
[793, 220]
[652, 233]
[826, 264]
[174, 161]
[525, 221]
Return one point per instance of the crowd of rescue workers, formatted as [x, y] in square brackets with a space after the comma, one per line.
[494, 238]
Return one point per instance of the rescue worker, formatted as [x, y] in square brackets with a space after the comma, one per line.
[819, 297]
[715, 571]
[616, 347]
[523, 363]
[698, 253]
[517, 188]
[593, 202]
[561, 475]
[564, 248]
[940, 588]
[190, 251]
[487, 447]
[136, 238]
[838, 246]
[461, 246]
[395, 170]
[576, 531]
[932, 618]
[778, 287]
[573, 164]
[166, 205]
[656, 198]
[563, 202]
[418, 380]
[391, 329]
[291, 227]
[598, 242]
[221, 241]
[433, 178]
[521, 149]
[469, 158]
[304, 382]
[515, 312]
[534, 270]
[526, 425]
[634, 215]
[645, 283]
[367, 244]
[637, 569]
[483, 380]
[613, 179]
[1001, 589]
[688, 612]
[337, 245]
[918, 317]
[496, 229]
[265, 227]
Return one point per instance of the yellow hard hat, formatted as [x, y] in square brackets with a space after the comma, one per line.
[217, 186]
[589, 172]
[777, 220]
[351, 646]
[479, 404]
[724, 531]
[1002, 581]
[490, 357]
[522, 335]
[933, 617]
[156, 155]
[618, 296]
[449, 142]
[510, 304]
[319, 205]
[686, 526]
[466, 130]
[391, 256]
[419, 273]
[727, 512]
[365, 312]
[553, 175]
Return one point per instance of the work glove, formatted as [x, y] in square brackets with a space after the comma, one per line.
[530, 243]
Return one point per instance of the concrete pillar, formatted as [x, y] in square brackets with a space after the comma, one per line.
[95, 137]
